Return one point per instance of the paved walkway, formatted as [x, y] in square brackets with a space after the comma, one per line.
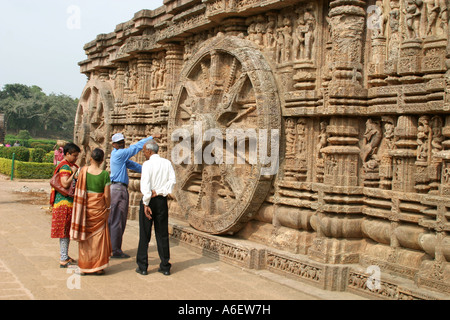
[29, 267]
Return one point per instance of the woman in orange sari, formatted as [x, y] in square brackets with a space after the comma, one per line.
[90, 216]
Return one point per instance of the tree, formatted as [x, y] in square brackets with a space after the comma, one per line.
[29, 108]
[24, 135]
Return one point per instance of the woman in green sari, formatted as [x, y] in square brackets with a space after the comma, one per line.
[91, 209]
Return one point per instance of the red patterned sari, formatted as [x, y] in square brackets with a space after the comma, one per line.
[61, 205]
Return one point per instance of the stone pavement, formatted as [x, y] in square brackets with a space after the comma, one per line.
[29, 267]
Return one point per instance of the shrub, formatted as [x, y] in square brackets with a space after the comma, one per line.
[37, 155]
[22, 153]
[3, 152]
[32, 170]
[27, 170]
[47, 145]
[5, 166]
[48, 158]
[23, 135]
[31, 143]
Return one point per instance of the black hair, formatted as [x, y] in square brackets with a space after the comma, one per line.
[98, 155]
[71, 148]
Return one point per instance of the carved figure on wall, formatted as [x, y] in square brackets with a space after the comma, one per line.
[301, 138]
[412, 15]
[157, 74]
[394, 23]
[323, 139]
[433, 11]
[322, 143]
[310, 21]
[423, 138]
[251, 29]
[155, 69]
[437, 17]
[394, 16]
[279, 46]
[290, 138]
[443, 15]
[259, 30]
[387, 144]
[298, 36]
[188, 48]
[133, 77]
[389, 134]
[287, 37]
[269, 35]
[437, 137]
[127, 78]
[380, 21]
[371, 142]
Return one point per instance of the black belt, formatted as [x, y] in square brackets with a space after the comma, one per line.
[123, 184]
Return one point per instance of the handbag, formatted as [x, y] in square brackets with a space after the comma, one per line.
[55, 182]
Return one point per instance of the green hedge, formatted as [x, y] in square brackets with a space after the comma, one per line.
[37, 155]
[48, 158]
[47, 145]
[5, 166]
[27, 170]
[27, 154]
[22, 153]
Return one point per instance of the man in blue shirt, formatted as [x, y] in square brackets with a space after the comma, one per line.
[120, 163]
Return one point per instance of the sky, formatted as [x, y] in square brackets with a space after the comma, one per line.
[41, 41]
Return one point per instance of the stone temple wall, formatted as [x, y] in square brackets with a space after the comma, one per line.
[352, 99]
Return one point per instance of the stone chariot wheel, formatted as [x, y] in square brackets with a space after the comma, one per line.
[92, 129]
[226, 90]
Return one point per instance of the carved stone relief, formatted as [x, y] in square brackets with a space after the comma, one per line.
[221, 92]
[91, 127]
[358, 91]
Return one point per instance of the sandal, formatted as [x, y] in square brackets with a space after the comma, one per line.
[72, 260]
[65, 264]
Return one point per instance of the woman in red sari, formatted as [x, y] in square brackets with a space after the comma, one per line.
[61, 205]
[89, 226]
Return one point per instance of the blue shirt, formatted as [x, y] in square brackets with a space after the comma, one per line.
[120, 161]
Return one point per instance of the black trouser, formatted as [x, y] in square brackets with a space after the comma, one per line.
[160, 215]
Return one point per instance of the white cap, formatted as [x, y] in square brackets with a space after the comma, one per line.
[117, 137]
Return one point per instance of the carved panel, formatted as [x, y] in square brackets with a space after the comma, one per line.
[226, 88]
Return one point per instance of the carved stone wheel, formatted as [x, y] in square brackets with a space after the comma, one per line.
[92, 129]
[227, 85]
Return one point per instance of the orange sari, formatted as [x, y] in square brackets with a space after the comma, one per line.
[90, 227]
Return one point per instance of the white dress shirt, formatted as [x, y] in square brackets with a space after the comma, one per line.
[157, 174]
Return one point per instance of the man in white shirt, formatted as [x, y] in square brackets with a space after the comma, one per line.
[157, 181]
